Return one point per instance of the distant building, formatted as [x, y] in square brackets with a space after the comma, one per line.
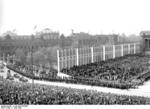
[10, 33]
[85, 39]
[10, 42]
[47, 34]
[46, 38]
[146, 41]
[21, 37]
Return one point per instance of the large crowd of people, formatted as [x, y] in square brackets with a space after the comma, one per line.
[25, 93]
[35, 70]
[122, 69]
[74, 80]
[101, 73]
[116, 73]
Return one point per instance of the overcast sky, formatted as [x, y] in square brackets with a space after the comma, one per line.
[1, 14]
[93, 16]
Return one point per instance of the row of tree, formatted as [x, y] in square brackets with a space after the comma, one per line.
[43, 56]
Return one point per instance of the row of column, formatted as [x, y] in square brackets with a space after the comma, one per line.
[92, 54]
[147, 43]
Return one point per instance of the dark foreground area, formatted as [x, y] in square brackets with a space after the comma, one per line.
[21, 93]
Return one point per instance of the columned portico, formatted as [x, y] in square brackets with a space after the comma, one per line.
[146, 41]
[147, 44]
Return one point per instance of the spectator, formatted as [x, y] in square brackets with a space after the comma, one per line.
[18, 93]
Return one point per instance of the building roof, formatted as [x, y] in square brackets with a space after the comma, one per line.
[145, 33]
[10, 33]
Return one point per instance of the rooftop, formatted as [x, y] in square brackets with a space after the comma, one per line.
[145, 33]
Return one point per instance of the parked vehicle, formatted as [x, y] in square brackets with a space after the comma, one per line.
[22, 79]
[16, 76]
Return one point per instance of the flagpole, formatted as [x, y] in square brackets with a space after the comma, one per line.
[32, 67]
[32, 61]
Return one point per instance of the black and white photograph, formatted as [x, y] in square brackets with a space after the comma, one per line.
[74, 53]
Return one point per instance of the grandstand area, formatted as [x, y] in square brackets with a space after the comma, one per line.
[121, 80]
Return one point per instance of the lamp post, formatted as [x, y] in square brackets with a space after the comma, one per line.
[32, 37]
[32, 63]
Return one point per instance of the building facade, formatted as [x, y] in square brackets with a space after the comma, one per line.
[146, 41]
[85, 39]
[8, 44]
[46, 38]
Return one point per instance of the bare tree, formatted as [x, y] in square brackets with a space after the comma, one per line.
[20, 56]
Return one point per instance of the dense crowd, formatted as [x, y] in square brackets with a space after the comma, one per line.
[74, 80]
[122, 69]
[116, 73]
[100, 73]
[25, 93]
[35, 70]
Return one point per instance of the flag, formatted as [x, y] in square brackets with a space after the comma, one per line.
[35, 27]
